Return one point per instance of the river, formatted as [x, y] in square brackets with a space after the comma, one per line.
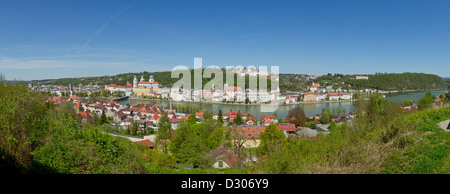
[282, 111]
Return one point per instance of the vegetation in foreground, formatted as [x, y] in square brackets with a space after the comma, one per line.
[37, 138]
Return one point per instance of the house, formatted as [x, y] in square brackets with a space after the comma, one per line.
[56, 100]
[361, 77]
[74, 98]
[146, 143]
[234, 93]
[174, 122]
[251, 120]
[155, 119]
[339, 96]
[199, 115]
[266, 120]
[85, 117]
[310, 97]
[224, 157]
[288, 127]
[249, 133]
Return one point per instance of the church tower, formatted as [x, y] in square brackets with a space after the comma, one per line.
[142, 78]
[151, 80]
[135, 81]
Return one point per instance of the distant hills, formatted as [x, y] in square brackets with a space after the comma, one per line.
[288, 82]
[389, 81]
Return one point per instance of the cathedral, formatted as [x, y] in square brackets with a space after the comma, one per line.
[143, 88]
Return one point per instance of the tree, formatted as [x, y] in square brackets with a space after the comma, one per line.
[103, 118]
[272, 139]
[164, 134]
[325, 117]
[247, 100]
[297, 116]
[238, 120]
[218, 137]
[239, 141]
[426, 101]
[192, 119]
[220, 116]
[190, 145]
[207, 115]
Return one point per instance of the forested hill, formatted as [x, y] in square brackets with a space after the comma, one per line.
[390, 81]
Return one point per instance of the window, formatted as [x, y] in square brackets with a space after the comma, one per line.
[220, 164]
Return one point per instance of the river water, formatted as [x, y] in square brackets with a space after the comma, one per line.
[282, 111]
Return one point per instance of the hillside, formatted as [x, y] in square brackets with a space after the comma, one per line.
[36, 138]
[389, 82]
[288, 82]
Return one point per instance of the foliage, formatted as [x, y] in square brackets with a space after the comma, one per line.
[325, 117]
[272, 139]
[238, 120]
[297, 116]
[395, 141]
[391, 81]
[426, 101]
[192, 142]
[164, 134]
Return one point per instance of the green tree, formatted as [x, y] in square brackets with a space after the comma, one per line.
[103, 118]
[192, 119]
[189, 145]
[426, 101]
[164, 134]
[218, 137]
[325, 117]
[272, 139]
[207, 115]
[238, 120]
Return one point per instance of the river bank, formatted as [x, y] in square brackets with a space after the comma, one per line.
[242, 104]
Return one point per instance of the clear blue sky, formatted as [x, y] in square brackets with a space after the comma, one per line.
[55, 39]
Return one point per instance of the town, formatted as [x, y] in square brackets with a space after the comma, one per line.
[140, 122]
[230, 94]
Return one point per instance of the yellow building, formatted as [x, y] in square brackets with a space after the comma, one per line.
[142, 92]
[309, 97]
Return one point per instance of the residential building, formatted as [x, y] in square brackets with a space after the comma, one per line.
[224, 157]
[310, 97]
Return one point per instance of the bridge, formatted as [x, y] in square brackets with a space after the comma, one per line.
[121, 98]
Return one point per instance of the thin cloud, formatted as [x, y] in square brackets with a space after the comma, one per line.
[106, 24]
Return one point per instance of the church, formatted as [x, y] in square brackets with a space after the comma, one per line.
[142, 88]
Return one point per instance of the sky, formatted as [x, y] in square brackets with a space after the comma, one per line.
[81, 38]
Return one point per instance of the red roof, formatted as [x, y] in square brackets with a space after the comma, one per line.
[264, 117]
[74, 97]
[250, 131]
[155, 117]
[85, 115]
[234, 88]
[198, 113]
[288, 127]
[146, 142]
[78, 105]
[175, 120]
[309, 93]
[226, 154]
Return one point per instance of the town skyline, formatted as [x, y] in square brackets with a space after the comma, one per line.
[86, 39]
